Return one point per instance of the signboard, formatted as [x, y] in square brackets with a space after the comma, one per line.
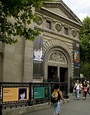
[42, 92]
[39, 92]
[15, 94]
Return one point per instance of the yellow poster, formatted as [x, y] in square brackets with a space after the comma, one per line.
[10, 94]
[15, 94]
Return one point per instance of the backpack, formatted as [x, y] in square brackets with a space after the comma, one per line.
[54, 96]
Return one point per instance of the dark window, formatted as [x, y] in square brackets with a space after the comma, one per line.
[48, 24]
[66, 31]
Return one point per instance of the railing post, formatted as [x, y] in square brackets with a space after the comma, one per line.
[29, 94]
[1, 98]
[0, 108]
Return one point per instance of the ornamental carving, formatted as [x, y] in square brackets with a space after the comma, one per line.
[74, 33]
[58, 27]
[39, 21]
[57, 57]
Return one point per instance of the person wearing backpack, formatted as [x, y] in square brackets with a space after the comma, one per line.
[56, 96]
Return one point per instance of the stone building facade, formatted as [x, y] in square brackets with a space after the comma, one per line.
[59, 28]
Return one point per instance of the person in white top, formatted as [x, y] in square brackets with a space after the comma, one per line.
[77, 89]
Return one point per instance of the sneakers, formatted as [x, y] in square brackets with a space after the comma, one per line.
[84, 98]
[77, 98]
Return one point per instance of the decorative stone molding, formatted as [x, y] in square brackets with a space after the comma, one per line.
[58, 27]
[57, 56]
[59, 43]
[39, 21]
[74, 33]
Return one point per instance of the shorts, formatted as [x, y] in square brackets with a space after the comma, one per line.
[56, 108]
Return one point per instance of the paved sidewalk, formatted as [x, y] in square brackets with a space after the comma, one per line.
[73, 107]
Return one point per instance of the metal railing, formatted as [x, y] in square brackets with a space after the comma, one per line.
[14, 94]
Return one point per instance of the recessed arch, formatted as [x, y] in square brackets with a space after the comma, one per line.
[58, 45]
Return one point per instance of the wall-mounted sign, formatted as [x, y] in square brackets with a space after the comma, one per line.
[42, 92]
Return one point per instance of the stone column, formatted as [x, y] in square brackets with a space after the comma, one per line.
[28, 62]
[28, 57]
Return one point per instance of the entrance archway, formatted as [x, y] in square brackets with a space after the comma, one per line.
[59, 56]
[57, 66]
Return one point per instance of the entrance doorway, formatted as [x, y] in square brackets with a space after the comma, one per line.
[52, 74]
[63, 74]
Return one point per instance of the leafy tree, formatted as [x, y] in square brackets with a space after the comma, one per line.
[21, 12]
[85, 47]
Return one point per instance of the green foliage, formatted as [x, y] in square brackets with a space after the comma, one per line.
[21, 12]
[85, 69]
[85, 47]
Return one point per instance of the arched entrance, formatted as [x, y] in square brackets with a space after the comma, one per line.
[57, 66]
[58, 63]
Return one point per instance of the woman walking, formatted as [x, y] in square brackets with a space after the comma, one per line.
[56, 104]
[85, 89]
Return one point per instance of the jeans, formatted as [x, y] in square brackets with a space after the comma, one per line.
[77, 93]
[56, 108]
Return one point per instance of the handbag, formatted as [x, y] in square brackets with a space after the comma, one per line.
[85, 89]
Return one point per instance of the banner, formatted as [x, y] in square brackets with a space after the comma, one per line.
[76, 60]
[38, 57]
[15, 94]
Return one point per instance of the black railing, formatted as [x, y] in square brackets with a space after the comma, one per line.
[14, 94]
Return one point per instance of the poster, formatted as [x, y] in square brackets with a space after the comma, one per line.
[39, 92]
[42, 92]
[38, 57]
[23, 93]
[15, 94]
[10, 94]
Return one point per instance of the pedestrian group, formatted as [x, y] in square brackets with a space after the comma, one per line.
[57, 96]
[81, 88]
